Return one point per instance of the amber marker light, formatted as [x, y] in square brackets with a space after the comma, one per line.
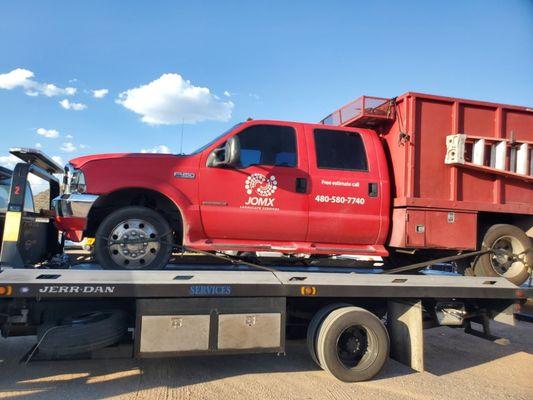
[308, 290]
[6, 290]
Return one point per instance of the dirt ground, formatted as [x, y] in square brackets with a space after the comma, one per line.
[458, 366]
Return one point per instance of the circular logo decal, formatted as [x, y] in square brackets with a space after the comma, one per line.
[261, 185]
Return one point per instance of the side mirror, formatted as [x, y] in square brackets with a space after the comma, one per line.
[229, 155]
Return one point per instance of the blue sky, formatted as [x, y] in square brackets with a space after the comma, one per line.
[296, 60]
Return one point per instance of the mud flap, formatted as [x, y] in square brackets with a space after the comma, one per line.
[404, 323]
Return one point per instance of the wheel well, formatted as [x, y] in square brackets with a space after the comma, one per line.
[486, 220]
[135, 197]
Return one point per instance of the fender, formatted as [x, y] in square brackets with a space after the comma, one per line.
[190, 212]
[150, 172]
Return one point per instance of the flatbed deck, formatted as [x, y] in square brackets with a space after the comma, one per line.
[198, 282]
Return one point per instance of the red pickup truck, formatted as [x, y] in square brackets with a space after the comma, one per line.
[415, 176]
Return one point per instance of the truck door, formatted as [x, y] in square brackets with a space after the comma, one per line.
[265, 197]
[344, 200]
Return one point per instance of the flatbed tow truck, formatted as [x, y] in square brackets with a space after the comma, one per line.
[353, 321]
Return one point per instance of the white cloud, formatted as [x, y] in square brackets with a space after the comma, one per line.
[22, 78]
[227, 94]
[38, 146]
[9, 161]
[161, 148]
[67, 105]
[68, 147]
[17, 77]
[170, 100]
[83, 146]
[69, 136]
[58, 160]
[37, 184]
[48, 133]
[99, 93]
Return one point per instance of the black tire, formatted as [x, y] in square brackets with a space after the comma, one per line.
[487, 265]
[314, 326]
[353, 344]
[102, 251]
[82, 333]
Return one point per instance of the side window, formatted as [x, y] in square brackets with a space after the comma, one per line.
[5, 184]
[268, 145]
[340, 150]
[28, 200]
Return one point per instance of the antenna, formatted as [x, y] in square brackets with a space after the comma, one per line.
[181, 140]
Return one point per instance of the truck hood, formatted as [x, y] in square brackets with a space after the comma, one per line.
[79, 162]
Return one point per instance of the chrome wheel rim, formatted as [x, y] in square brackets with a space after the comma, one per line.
[503, 261]
[134, 243]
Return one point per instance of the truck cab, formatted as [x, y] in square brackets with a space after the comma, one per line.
[287, 187]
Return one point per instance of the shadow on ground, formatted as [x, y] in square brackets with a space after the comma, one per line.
[447, 351]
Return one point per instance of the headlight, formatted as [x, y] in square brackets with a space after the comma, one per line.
[73, 180]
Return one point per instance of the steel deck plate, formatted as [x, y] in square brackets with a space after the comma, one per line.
[50, 283]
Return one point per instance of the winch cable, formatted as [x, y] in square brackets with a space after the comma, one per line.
[437, 261]
[417, 266]
[225, 257]
[235, 261]
[516, 257]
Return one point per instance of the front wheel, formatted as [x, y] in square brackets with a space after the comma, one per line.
[133, 238]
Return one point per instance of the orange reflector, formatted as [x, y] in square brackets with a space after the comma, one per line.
[308, 290]
[6, 290]
[520, 293]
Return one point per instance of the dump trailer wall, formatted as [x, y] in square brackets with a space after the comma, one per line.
[436, 205]
[421, 177]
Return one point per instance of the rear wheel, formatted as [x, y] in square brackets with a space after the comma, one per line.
[352, 344]
[314, 326]
[508, 241]
[133, 238]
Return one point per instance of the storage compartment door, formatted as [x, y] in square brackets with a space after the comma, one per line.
[249, 331]
[174, 333]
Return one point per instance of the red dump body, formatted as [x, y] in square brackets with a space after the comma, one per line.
[450, 160]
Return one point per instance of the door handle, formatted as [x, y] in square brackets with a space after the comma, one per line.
[372, 189]
[301, 185]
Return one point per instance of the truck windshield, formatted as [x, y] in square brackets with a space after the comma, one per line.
[205, 146]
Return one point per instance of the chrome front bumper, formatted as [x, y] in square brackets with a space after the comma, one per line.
[75, 205]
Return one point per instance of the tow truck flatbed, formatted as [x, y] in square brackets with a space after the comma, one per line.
[195, 282]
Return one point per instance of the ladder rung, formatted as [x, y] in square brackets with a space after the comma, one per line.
[478, 150]
[499, 153]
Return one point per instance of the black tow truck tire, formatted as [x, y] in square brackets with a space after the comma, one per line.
[485, 265]
[314, 326]
[80, 333]
[352, 357]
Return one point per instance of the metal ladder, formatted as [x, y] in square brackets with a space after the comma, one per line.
[494, 155]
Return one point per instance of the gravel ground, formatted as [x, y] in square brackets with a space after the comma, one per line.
[458, 366]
